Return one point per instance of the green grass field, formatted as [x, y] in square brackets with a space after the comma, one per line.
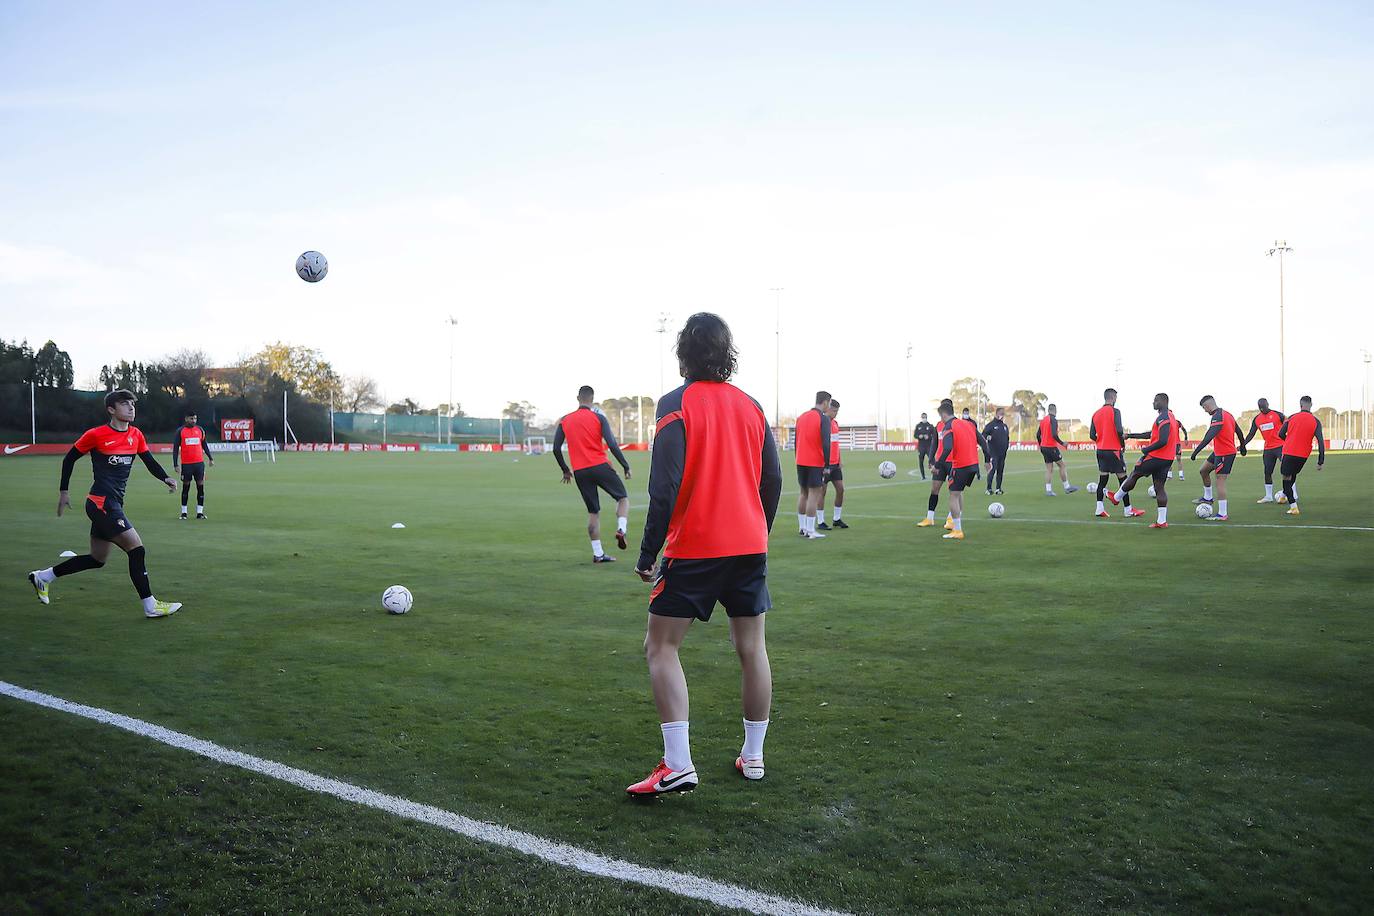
[1056, 715]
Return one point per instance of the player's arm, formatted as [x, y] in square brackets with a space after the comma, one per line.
[770, 481]
[155, 469]
[1165, 431]
[204, 446]
[1120, 429]
[1243, 442]
[1092, 429]
[1321, 445]
[1212, 431]
[1054, 432]
[613, 445]
[825, 439]
[1254, 428]
[983, 444]
[68, 465]
[176, 450]
[946, 444]
[665, 479]
[1283, 430]
[558, 438]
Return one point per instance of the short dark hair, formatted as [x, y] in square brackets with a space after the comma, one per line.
[118, 395]
[1305, 399]
[706, 349]
[1164, 396]
[946, 406]
[1108, 393]
[1205, 399]
[823, 396]
[585, 392]
[834, 403]
[190, 412]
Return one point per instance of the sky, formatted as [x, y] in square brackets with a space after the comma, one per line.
[1054, 196]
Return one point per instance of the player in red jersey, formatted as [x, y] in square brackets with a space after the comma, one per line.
[713, 494]
[191, 451]
[1047, 437]
[588, 435]
[960, 443]
[939, 466]
[1181, 437]
[833, 474]
[1156, 458]
[1297, 432]
[1225, 437]
[1268, 423]
[1107, 432]
[112, 448]
[813, 458]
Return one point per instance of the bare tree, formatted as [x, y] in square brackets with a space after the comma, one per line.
[359, 394]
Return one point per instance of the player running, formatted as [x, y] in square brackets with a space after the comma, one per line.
[588, 434]
[1297, 433]
[1156, 458]
[834, 474]
[1268, 423]
[1224, 435]
[1110, 437]
[813, 457]
[939, 466]
[925, 443]
[999, 443]
[713, 493]
[112, 448]
[190, 447]
[1050, 445]
[958, 443]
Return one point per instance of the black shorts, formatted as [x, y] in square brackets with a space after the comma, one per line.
[1156, 468]
[1222, 464]
[193, 471]
[1292, 465]
[807, 476]
[601, 475]
[108, 521]
[1110, 462]
[962, 477]
[1271, 460]
[691, 588]
[1051, 455]
[833, 473]
[939, 471]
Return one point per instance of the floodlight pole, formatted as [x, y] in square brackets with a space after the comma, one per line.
[1364, 403]
[452, 323]
[1280, 248]
[663, 319]
[33, 411]
[909, 417]
[777, 357]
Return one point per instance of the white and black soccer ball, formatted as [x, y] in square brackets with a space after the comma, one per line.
[1203, 510]
[397, 599]
[996, 510]
[887, 470]
[311, 267]
[1151, 491]
[1092, 488]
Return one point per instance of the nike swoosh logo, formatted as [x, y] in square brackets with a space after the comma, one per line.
[669, 783]
[11, 449]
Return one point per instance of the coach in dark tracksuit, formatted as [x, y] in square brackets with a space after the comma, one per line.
[925, 443]
[999, 442]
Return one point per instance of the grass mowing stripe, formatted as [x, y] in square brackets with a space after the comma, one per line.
[563, 854]
[1101, 521]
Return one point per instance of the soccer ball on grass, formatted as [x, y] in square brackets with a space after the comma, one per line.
[1203, 510]
[1092, 488]
[996, 510]
[397, 599]
[887, 470]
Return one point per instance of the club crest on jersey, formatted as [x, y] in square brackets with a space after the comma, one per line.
[122, 524]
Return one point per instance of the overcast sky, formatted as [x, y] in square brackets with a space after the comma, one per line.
[1025, 192]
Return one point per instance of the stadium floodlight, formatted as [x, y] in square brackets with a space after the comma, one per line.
[1364, 404]
[663, 319]
[777, 356]
[452, 323]
[1280, 249]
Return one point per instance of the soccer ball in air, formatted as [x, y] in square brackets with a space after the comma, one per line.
[1204, 510]
[1092, 488]
[397, 599]
[996, 510]
[887, 470]
[1151, 491]
[311, 267]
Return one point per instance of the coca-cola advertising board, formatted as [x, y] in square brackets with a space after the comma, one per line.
[236, 430]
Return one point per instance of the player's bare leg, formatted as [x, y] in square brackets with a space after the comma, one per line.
[820, 509]
[594, 532]
[756, 691]
[622, 521]
[929, 520]
[674, 773]
[1220, 514]
[1162, 501]
[839, 503]
[956, 514]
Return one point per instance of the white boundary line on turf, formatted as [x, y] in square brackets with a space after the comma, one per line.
[1084, 521]
[683, 885]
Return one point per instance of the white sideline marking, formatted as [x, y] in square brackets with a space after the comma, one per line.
[1122, 521]
[684, 885]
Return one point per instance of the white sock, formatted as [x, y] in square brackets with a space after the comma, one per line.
[183, 508]
[1099, 506]
[820, 516]
[149, 603]
[801, 521]
[1066, 483]
[1268, 491]
[1295, 491]
[1180, 473]
[622, 524]
[959, 523]
[754, 733]
[1206, 492]
[835, 514]
[1049, 488]
[46, 575]
[1221, 504]
[676, 753]
[1163, 514]
[931, 515]
[200, 510]
[596, 549]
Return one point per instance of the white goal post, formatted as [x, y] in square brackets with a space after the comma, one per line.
[267, 446]
[536, 445]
